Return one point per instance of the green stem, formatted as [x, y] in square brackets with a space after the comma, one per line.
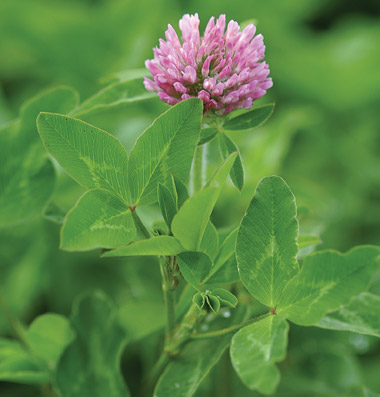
[197, 173]
[182, 333]
[155, 373]
[169, 297]
[139, 225]
[229, 330]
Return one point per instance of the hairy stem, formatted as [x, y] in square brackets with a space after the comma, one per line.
[169, 296]
[233, 328]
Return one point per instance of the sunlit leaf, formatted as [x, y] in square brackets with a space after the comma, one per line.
[327, 280]
[256, 349]
[98, 220]
[266, 246]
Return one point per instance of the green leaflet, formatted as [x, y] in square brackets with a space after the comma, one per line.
[167, 203]
[256, 348]
[210, 241]
[266, 246]
[207, 134]
[93, 157]
[227, 146]
[118, 93]
[190, 222]
[95, 353]
[47, 337]
[326, 281]
[154, 246]
[227, 251]
[27, 177]
[251, 119]
[99, 219]
[361, 315]
[195, 266]
[305, 240]
[166, 147]
[181, 191]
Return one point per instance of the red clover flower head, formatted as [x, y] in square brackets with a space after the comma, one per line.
[223, 68]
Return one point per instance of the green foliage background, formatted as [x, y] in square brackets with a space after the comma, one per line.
[323, 139]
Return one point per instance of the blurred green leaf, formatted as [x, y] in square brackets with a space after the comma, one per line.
[140, 319]
[250, 119]
[95, 353]
[305, 240]
[327, 280]
[27, 178]
[256, 348]
[118, 93]
[360, 315]
[166, 147]
[266, 245]
[48, 336]
[16, 365]
[46, 339]
[99, 219]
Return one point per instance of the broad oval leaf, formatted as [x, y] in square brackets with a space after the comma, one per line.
[251, 119]
[266, 246]
[256, 348]
[48, 336]
[166, 147]
[92, 157]
[327, 280]
[99, 219]
[154, 246]
[95, 353]
[361, 315]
